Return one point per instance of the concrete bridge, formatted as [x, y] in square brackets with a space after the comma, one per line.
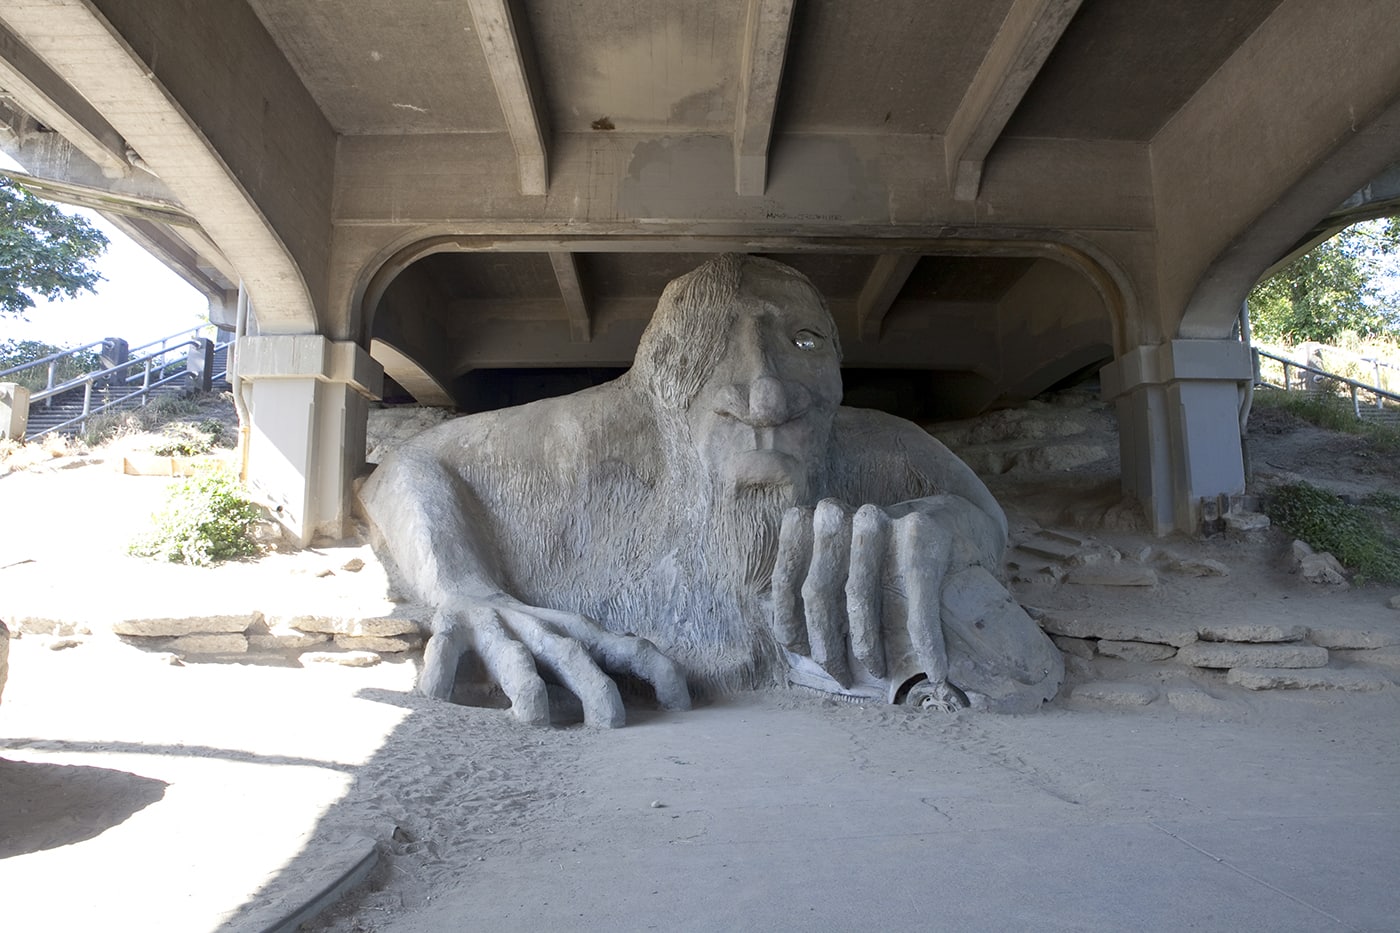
[480, 199]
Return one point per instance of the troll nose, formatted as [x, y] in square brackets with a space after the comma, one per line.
[768, 402]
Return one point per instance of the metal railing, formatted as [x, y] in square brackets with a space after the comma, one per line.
[154, 368]
[1380, 395]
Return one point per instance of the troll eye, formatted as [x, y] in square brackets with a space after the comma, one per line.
[806, 340]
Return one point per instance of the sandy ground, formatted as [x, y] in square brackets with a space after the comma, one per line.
[139, 795]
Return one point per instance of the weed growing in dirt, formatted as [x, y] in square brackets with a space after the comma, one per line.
[1332, 412]
[207, 518]
[1352, 533]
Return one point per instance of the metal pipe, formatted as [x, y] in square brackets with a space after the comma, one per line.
[240, 404]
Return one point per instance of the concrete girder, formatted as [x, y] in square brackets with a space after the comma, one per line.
[504, 43]
[571, 288]
[51, 100]
[761, 75]
[880, 290]
[77, 41]
[1024, 42]
[1263, 149]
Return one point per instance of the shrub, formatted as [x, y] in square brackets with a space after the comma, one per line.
[1353, 535]
[206, 518]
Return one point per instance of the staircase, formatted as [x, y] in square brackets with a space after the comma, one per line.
[44, 418]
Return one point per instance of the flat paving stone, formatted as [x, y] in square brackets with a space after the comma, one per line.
[1223, 655]
[1135, 650]
[1311, 679]
[1116, 693]
[1263, 632]
[1119, 629]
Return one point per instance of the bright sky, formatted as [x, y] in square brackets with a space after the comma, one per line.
[139, 300]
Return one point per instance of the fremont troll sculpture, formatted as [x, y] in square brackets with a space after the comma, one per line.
[711, 520]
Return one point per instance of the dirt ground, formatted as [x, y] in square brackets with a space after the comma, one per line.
[143, 794]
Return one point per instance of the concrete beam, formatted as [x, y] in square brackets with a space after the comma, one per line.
[1024, 42]
[83, 46]
[880, 290]
[51, 100]
[503, 44]
[761, 75]
[571, 288]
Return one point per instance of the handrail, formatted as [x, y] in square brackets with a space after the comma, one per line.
[88, 411]
[1356, 385]
[98, 374]
[51, 358]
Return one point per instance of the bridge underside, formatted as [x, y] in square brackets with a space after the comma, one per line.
[484, 197]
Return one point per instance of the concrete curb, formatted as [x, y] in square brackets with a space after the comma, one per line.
[319, 889]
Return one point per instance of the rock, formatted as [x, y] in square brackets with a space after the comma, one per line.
[385, 644]
[1078, 647]
[349, 625]
[1251, 632]
[202, 643]
[1328, 678]
[1246, 522]
[1119, 630]
[1328, 635]
[60, 643]
[1077, 668]
[1192, 699]
[1318, 567]
[353, 565]
[39, 625]
[4, 656]
[1110, 574]
[288, 640]
[1198, 567]
[192, 625]
[1393, 602]
[1051, 548]
[343, 658]
[1135, 650]
[1233, 654]
[1115, 693]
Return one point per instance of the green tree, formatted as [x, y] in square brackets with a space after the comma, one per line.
[43, 251]
[1335, 287]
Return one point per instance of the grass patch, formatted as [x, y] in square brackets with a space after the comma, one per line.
[1332, 412]
[206, 519]
[1354, 534]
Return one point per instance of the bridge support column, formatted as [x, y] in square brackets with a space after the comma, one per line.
[1178, 421]
[309, 407]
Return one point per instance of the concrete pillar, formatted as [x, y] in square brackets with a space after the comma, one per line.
[14, 411]
[308, 403]
[1179, 430]
[115, 351]
[199, 363]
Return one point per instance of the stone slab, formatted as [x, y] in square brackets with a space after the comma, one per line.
[1384, 657]
[1316, 679]
[1258, 632]
[166, 627]
[286, 641]
[1119, 629]
[1222, 655]
[1353, 636]
[1049, 548]
[1109, 574]
[381, 626]
[343, 658]
[1115, 693]
[1076, 647]
[385, 644]
[1135, 650]
[1194, 700]
[1198, 567]
[208, 643]
[41, 625]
